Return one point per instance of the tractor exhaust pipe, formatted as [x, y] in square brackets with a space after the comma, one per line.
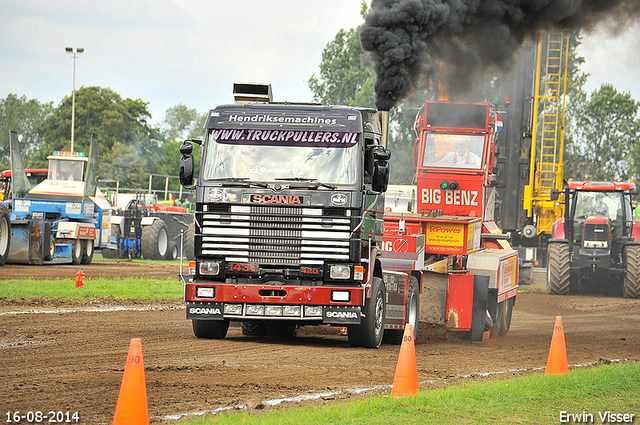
[384, 127]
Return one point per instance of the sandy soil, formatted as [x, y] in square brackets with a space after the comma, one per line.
[70, 356]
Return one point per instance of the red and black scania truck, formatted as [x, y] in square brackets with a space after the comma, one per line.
[289, 220]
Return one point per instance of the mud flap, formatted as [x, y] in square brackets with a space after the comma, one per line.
[480, 293]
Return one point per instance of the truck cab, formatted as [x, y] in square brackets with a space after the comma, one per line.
[289, 219]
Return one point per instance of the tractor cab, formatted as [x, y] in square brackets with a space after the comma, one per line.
[597, 240]
[68, 166]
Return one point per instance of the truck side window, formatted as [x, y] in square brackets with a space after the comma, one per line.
[368, 159]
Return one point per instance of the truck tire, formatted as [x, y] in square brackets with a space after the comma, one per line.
[189, 242]
[5, 235]
[51, 249]
[87, 251]
[395, 336]
[155, 240]
[558, 269]
[210, 329]
[631, 287]
[502, 321]
[119, 252]
[370, 332]
[76, 251]
[253, 328]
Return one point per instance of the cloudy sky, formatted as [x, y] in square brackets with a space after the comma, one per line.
[168, 52]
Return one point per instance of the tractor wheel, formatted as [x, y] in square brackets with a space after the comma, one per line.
[87, 251]
[5, 235]
[253, 328]
[155, 240]
[631, 288]
[210, 329]
[395, 336]
[280, 329]
[172, 252]
[76, 251]
[558, 269]
[370, 332]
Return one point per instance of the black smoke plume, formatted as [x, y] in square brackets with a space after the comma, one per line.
[407, 39]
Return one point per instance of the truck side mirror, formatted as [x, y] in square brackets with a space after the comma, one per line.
[380, 177]
[186, 164]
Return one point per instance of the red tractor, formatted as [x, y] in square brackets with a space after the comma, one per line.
[597, 241]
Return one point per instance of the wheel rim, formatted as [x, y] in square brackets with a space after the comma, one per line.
[379, 313]
[163, 242]
[78, 248]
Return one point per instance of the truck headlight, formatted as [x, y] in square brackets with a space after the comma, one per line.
[234, 309]
[205, 292]
[255, 310]
[312, 311]
[209, 268]
[291, 310]
[273, 310]
[340, 271]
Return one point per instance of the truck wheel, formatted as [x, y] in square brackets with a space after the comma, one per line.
[51, 249]
[253, 328]
[5, 235]
[155, 240]
[87, 251]
[502, 321]
[370, 332]
[631, 287]
[558, 269]
[76, 251]
[120, 251]
[210, 329]
[280, 329]
[395, 336]
[189, 242]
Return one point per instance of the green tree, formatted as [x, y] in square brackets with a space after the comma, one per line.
[343, 81]
[24, 117]
[606, 131]
[129, 147]
[180, 123]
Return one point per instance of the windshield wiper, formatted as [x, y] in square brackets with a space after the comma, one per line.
[313, 183]
[240, 181]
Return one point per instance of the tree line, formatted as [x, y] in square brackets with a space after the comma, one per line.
[130, 148]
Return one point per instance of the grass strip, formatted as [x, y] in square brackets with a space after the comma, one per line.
[533, 399]
[125, 288]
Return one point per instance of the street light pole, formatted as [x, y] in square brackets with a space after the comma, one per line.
[75, 53]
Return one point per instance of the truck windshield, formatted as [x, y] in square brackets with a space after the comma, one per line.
[270, 155]
[453, 151]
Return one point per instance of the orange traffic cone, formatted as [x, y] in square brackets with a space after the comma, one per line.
[405, 382]
[557, 361]
[132, 401]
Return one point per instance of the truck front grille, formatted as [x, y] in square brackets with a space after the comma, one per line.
[288, 236]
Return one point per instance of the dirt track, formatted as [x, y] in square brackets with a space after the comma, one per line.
[71, 356]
